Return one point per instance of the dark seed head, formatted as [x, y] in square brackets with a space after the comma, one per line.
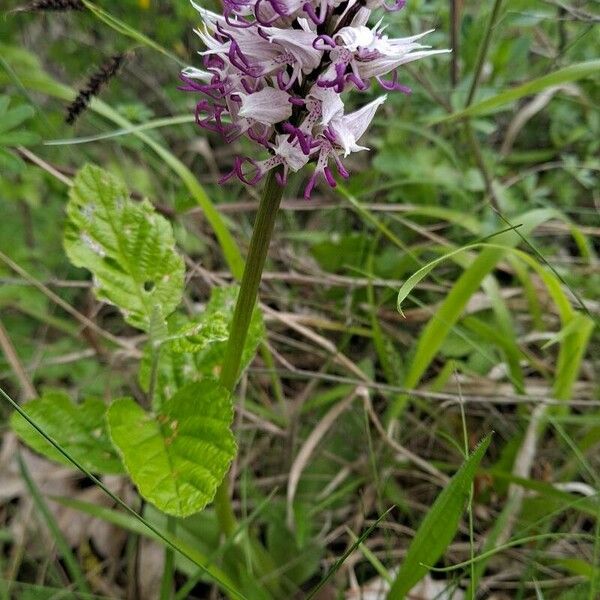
[93, 87]
[55, 5]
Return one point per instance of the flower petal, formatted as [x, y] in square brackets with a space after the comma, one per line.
[269, 106]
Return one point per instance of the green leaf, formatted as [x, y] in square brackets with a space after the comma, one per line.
[222, 302]
[80, 429]
[177, 457]
[10, 162]
[198, 335]
[195, 349]
[439, 526]
[570, 73]
[19, 138]
[14, 117]
[127, 246]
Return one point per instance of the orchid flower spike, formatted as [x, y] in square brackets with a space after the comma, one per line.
[275, 71]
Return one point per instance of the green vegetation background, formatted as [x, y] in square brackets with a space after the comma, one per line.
[430, 184]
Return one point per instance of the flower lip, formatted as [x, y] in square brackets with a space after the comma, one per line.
[269, 106]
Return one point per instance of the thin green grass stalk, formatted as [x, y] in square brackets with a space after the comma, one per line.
[370, 556]
[166, 585]
[463, 419]
[573, 72]
[513, 544]
[483, 50]
[64, 550]
[132, 555]
[346, 554]
[130, 32]
[147, 126]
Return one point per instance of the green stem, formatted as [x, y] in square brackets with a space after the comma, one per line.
[166, 586]
[483, 50]
[257, 254]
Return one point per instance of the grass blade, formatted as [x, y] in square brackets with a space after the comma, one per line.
[449, 311]
[64, 550]
[439, 526]
[338, 563]
[570, 73]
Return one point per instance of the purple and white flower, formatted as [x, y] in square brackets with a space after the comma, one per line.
[275, 71]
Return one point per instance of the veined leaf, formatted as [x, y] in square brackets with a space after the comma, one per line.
[438, 527]
[195, 349]
[198, 335]
[177, 457]
[127, 246]
[222, 302]
[79, 428]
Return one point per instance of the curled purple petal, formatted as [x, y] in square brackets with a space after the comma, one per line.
[310, 11]
[323, 42]
[395, 6]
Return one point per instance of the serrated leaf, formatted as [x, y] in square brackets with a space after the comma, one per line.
[127, 246]
[80, 429]
[439, 526]
[222, 302]
[177, 457]
[197, 336]
[182, 360]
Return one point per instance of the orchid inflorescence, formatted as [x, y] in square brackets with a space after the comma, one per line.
[275, 71]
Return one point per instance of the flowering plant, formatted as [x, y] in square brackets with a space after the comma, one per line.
[275, 71]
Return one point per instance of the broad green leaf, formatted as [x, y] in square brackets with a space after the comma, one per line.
[80, 429]
[570, 73]
[126, 245]
[195, 349]
[178, 456]
[439, 526]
